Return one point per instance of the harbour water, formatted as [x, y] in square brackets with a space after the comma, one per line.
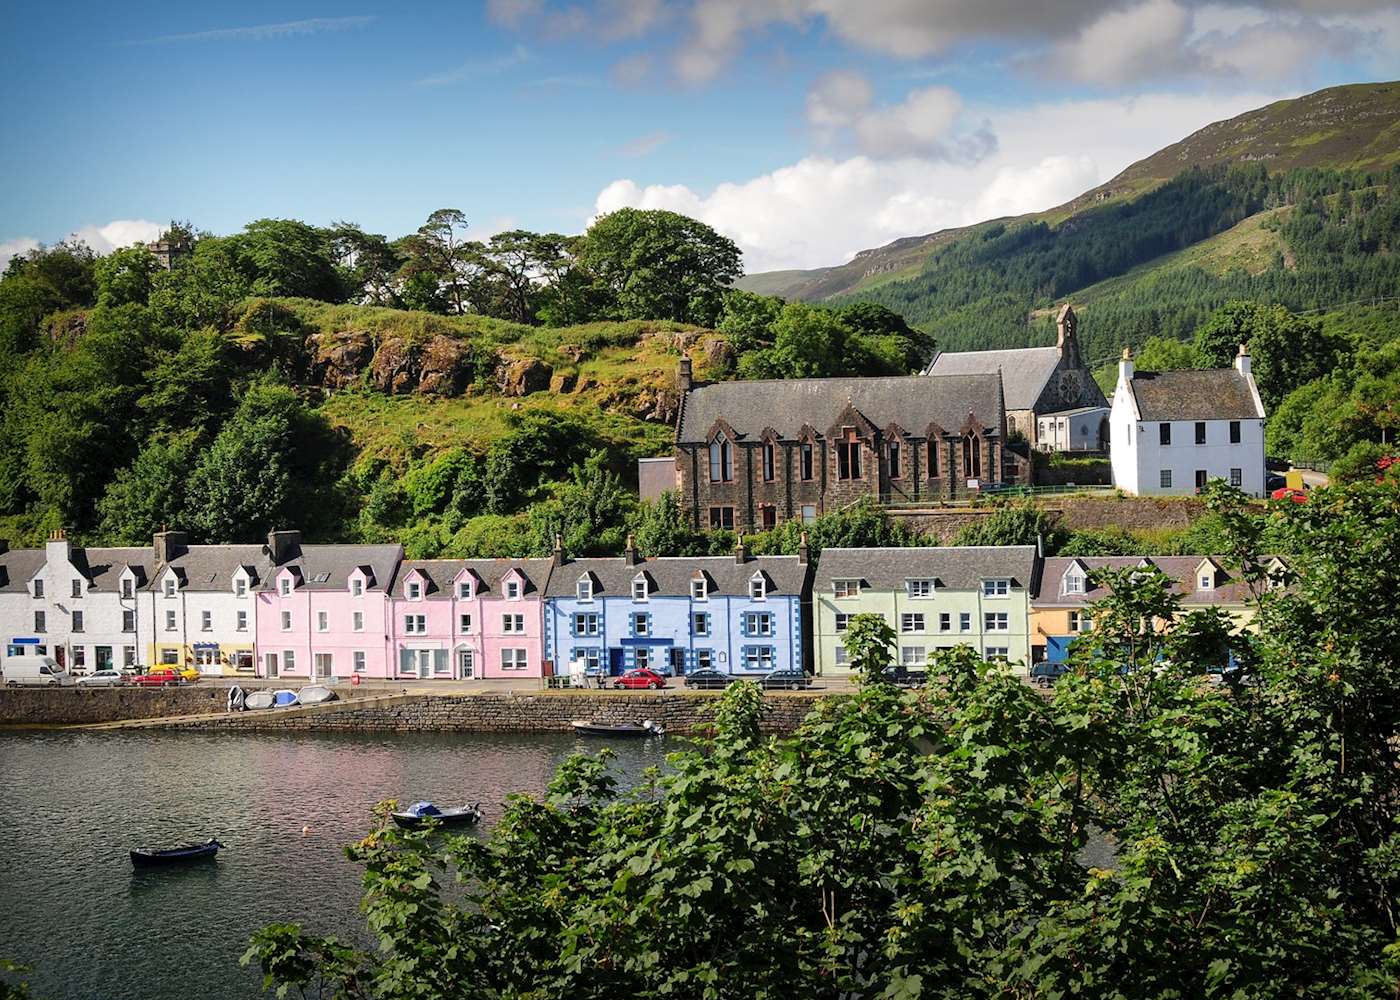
[73, 804]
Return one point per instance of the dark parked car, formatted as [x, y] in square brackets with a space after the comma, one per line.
[1273, 481]
[1046, 673]
[708, 680]
[792, 680]
[902, 677]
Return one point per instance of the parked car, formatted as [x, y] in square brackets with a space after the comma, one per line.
[903, 677]
[1297, 496]
[708, 680]
[102, 678]
[41, 671]
[1273, 481]
[158, 677]
[792, 680]
[640, 678]
[189, 673]
[1046, 673]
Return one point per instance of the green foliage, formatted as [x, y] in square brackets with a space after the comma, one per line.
[125, 276]
[870, 643]
[150, 494]
[748, 319]
[1013, 524]
[661, 528]
[1161, 354]
[12, 984]
[804, 341]
[861, 525]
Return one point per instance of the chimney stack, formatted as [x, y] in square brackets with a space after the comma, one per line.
[1242, 363]
[629, 554]
[739, 555]
[803, 552]
[1125, 367]
[685, 377]
[558, 551]
[169, 545]
[283, 545]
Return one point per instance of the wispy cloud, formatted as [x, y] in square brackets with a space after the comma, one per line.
[644, 145]
[476, 68]
[264, 32]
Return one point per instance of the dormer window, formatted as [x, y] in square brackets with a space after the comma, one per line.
[38, 588]
[240, 587]
[1073, 583]
[464, 590]
[284, 586]
[918, 588]
[415, 590]
[996, 588]
[1206, 581]
[77, 588]
[512, 590]
[698, 590]
[128, 589]
[639, 588]
[357, 587]
[758, 587]
[845, 588]
[584, 588]
[168, 586]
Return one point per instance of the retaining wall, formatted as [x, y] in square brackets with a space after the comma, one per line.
[36, 706]
[1077, 512]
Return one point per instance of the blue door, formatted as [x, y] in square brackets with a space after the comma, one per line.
[615, 661]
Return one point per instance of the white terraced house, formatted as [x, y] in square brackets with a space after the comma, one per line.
[75, 604]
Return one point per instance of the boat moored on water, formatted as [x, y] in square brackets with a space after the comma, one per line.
[419, 813]
[148, 857]
[622, 730]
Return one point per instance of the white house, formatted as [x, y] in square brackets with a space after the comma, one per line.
[77, 605]
[200, 607]
[1170, 432]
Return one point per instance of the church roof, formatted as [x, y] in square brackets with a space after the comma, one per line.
[1024, 371]
[787, 405]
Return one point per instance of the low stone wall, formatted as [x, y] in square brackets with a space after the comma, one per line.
[1077, 512]
[78, 706]
[503, 713]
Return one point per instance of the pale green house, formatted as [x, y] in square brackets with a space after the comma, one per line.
[933, 598]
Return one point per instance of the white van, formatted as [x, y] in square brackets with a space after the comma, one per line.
[41, 670]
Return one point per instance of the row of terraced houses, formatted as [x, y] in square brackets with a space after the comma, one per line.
[288, 609]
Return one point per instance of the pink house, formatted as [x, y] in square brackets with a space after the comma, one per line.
[323, 610]
[462, 619]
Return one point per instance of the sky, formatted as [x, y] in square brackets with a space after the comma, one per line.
[805, 130]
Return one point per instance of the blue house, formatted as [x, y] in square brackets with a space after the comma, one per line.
[738, 614]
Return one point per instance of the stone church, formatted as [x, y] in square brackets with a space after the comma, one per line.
[1051, 396]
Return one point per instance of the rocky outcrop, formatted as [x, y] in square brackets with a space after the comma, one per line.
[395, 367]
[717, 355]
[564, 382]
[523, 376]
[337, 359]
[445, 369]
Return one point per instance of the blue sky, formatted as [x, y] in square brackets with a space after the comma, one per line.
[805, 129]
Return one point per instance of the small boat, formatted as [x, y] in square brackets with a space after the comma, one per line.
[420, 812]
[314, 694]
[258, 699]
[147, 857]
[284, 698]
[618, 729]
[235, 698]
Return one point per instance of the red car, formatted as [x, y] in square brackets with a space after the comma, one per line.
[159, 677]
[640, 678]
[1297, 496]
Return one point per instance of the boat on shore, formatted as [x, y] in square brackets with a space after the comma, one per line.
[420, 813]
[285, 698]
[148, 857]
[621, 730]
[256, 700]
[315, 694]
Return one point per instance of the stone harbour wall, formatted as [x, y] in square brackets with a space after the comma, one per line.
[502, 713]
[34, 706]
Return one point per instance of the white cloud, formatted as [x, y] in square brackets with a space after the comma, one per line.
[264, 32]
[837, 99]
[841, 104]
[119, 233]
[822, 210]
[15, 247]
[1140, 42]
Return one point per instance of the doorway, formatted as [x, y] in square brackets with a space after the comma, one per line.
[466, 664]
[270, 664]
[677, 662]
[424, 659]
[322, 665]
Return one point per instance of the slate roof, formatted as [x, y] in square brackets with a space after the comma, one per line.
[17, 567]
[951, 567]
[1189, 394]
[1024, 371]
[441, 572]
[1229, 587]
[103, 567]
[670, 576]
[786, 405]
[335, 563]
[211, 567]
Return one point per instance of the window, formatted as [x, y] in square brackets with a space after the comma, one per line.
[169, 657]
[128, 589]
[289, 660]
[415, 590]
[843, 621]
[758, 588]
[769, 462]
[512, 624]
[128, 656]
[78, 588]
[641, 657]
[721, 459]
[945, 622]
[464, 624]
[758, 658]
[1164, 433]
[512, 590]
[933, 458]
[894, 459]
[704, 659]
[807, 461]
[79, 656]
[1165, 479]
[206, 621]
[286, 621]
[584, 589]
[965, 621]
[998, 654]
[767, 516]
[357, 587]
[323, 664]
[809, 513]
[323, 622]
[913, 656]
[918, 588]
[699, 623]
[641, 624]
[996, 588]
[415, 624]
[128, 621]
[358, 659]
[1073, 583]
[721, 518]
[357, 621]
[242, 620]
[168, 586]
[284, 586]
[1236, 477]
[514, 659]
[842, 657]
[77, 621]
[1080, 621]
[240, 587]
[586, 623]
[972, 457]
[1201, 478]
[758, 623]
[995, 621]
[1200, 432]
[1234, 432]
[698, 590]
[848, 456]
[464, 590]
[911, 622]
[170, 621]
[1207, 582]
[845, 588]
[639, 589]
[38, 588]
